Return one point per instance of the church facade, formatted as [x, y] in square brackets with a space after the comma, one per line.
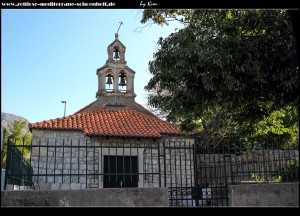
[111, 142]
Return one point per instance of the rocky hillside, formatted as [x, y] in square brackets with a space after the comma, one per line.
[10, 118]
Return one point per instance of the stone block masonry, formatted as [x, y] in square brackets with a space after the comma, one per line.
[105, 197]
[63, 160]
[264, 195]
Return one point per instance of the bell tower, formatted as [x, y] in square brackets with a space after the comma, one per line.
[115, 82]
[115, 78]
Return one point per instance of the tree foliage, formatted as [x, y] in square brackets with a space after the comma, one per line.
[16, 134]
[225, 67]
[281, 126]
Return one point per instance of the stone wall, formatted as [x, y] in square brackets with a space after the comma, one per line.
[69, 160]
[63, 165]
[151, 167]
[264, 195]
[175, 162]
[179, 165]
[105, 197]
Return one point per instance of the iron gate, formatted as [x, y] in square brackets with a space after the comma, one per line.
[18, 172]
[198, 175]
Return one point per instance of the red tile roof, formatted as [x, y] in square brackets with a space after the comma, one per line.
[104, 122]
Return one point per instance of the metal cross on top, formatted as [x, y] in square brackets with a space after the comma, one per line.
[121, 23]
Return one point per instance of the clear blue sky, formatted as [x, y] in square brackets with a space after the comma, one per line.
[52, 55]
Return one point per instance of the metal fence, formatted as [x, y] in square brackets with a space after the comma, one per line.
[18, 172]
[75, 164]
[196, 174]
[234, 162]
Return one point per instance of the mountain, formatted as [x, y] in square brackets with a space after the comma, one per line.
[10, 118]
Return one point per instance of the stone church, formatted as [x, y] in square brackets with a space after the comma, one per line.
[111, 142]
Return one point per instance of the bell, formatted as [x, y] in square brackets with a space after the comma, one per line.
[109, 80]
[122, 81]
[116, 55]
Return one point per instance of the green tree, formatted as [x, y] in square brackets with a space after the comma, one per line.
[225, 68]
[18, 135]
[281, 127]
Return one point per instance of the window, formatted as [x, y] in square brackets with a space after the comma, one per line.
[120, 171]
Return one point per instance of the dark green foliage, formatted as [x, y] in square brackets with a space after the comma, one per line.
[289, 173]
[225, 70]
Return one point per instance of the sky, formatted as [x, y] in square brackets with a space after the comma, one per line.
[51, 55]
